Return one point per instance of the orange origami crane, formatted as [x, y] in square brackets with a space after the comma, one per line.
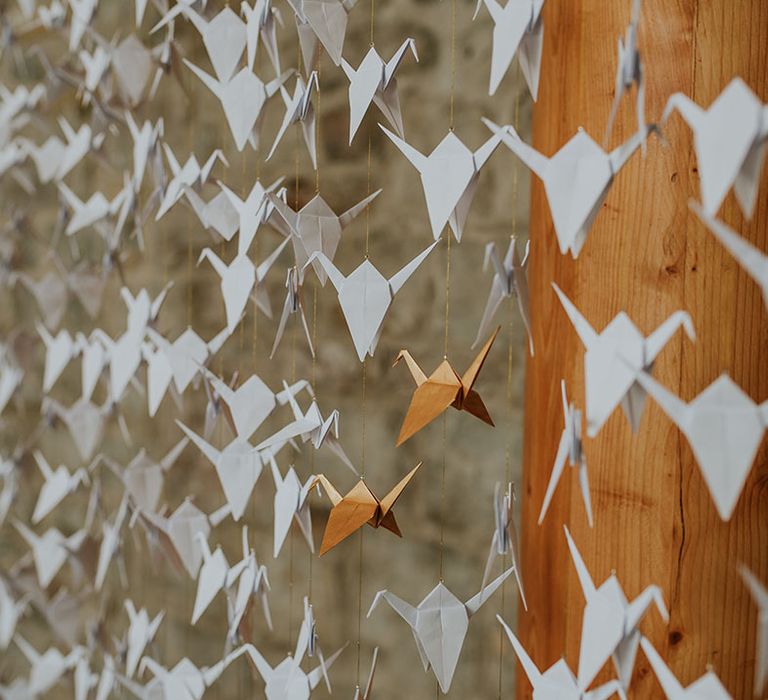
[443, 388]
[358, 507]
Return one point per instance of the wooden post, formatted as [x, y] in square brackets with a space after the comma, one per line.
[646, 254]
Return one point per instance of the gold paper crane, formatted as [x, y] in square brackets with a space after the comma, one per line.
[349, 513]
[443, 388]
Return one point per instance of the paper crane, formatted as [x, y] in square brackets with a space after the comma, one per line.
[449, 176]
[10, 612]
[439, 624]
[576, 179]
[177, 534]
[55, 159]
[293, 305]
[629, 72]
[374, 81]
[145, 142]
[504, 540]
[367, 694]
[253, 582]
[724, 428]
[328, 21]
[88, 213]
[185, 681]
[708, 686]
[291, 503]
[558, 681]
[10, 379]
[349, 513]
[84, 679]
[614, 358]
[48, 667]
[365, 296]
[510, 278]
[141, 632]
[610, 624]
[238, 467]
[760, 598]
[58, 485]
[260, 22]
[731, 157]
[82, 14]
[754, 262]
[217, 213]
[443, 388]
[59, 351]
[85, 422]
[299, 109]
[243, 98]
[518, 28]
[287, 680]
[571, 449]
[315, 228]
[50, 551]
[192, 174]
[110, 543]
[238, 279]
[252, 212]
[50, 293]
[215, 574]
[224, 36]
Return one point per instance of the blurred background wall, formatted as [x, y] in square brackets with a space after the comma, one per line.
[476, 455]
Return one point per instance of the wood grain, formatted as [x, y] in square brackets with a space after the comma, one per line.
[647, 255]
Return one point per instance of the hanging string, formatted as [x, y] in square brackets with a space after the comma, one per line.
[453, 62]
[509, 392]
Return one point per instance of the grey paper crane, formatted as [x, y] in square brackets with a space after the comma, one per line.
[615, 357]
[449, 176]
[609, 627]
[365, 296]
[518, 28]
[299, 109]
[327, 20]
[315, 228]
[510, 278]
[570, 449]
[293, 305]
[374, 81]
[558, 681]
[261, 23]
[439, 625]
[576, 179]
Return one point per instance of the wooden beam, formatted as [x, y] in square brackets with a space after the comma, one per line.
[647, 255]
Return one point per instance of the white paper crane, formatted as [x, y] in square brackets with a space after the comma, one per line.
[83, 678]
[10, 611]
[55, 159]
[260, 23]
[299, 109]
[629, 72]
[760, 598]
[238, 279]
[439, 624]
[754, 262]
[293, 305]
[48, 667]
[365, 296]
[10, 379]
[243, 98]
[309, 426]
[615, 357]
[576, 179]
[327, 20]
[510, 278]
[141, 631]
[91, 212]
[504, 540]
[185, 681]
[145, 141]
[238, 467]
[609, 627]
[251, 212]
[49, 551]
[111, 541]
[217, 213]
[192, 174]
[374, 81]
[291, 503]
[570, 448]
[707, 687]
[58, 485]
[85, 422]
[724, 428]
[59, 351]
[215, 574]
[316, 228]
[729, 139]
[252, 402]
[253, 582]
[82, 14]
[558, 681]
[449, 176]
[518, 28]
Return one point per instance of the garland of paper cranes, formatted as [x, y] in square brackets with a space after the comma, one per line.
[112, 78]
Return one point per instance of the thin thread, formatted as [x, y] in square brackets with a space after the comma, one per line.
[453, 61]
[373, 14]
